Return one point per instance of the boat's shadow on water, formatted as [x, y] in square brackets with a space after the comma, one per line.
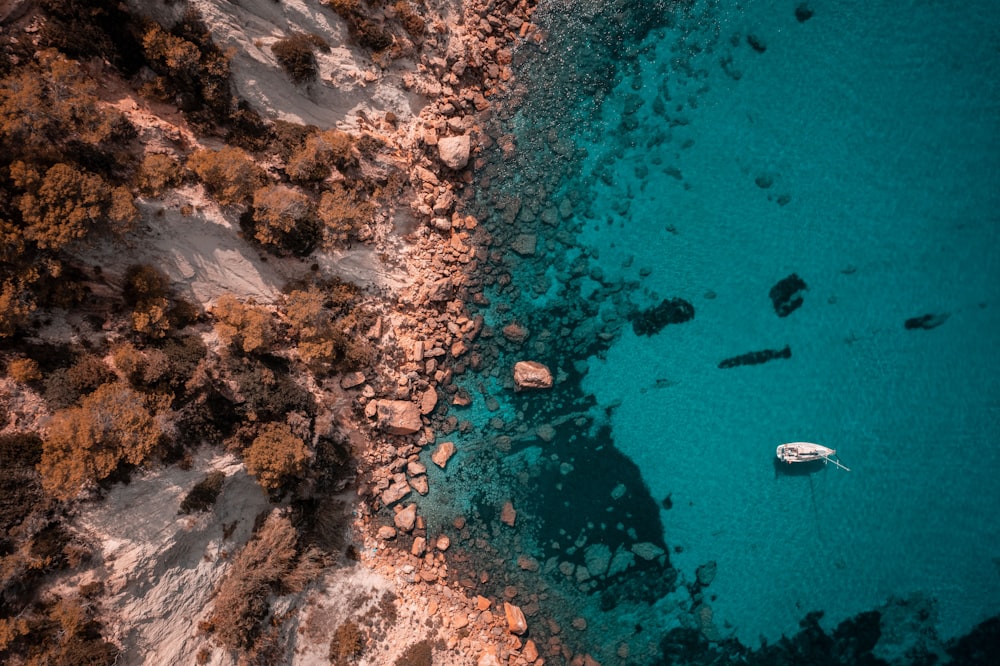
[798, 469]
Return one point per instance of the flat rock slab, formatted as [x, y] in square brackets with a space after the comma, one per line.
[398, 417]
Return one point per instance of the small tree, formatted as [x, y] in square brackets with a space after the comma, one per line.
[230, 174]
[276, 456]
[247, 326]
[319, 153]
[281, 216]
[343, 213]
[61, 205]
[87, 443]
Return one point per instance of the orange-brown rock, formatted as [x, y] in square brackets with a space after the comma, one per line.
[531, 375]
[406, 519]
[398, 417]
[428, 401]
[443, 453]
[530, 651]
[516, 623]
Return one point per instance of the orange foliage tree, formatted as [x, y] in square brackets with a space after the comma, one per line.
[86, 443]
[230, 174]
[276, 456]
[247, 326]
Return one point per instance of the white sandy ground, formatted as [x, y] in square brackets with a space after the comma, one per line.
[160, 569]
[348, 81]
[204, 255]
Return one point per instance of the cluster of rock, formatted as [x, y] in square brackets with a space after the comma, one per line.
[492, 631]
[428, 338]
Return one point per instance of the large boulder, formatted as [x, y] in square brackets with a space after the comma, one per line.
[398, 417]
[454, 151]
[516, 622]
[531, 375]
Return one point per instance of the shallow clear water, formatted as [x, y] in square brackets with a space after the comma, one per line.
[860, 150]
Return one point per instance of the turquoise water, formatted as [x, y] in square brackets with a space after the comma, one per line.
[858, 149]
[882, 127]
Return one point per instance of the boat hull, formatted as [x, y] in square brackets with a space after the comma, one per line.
[800, 452]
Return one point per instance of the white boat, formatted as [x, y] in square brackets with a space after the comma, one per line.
[799, 452]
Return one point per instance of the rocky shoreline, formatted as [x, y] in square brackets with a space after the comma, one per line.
[432, 338]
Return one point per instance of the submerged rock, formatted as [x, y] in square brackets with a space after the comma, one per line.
[670, 311]
[508, 514]
[756, 43]
[786, 295]
[756, 358]
[926, 322]
[706, 573]
[443, 453]
[531, 375]
[803, 12]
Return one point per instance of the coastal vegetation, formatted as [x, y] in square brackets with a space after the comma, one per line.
[130, 374]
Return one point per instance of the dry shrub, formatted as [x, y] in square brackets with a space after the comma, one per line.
[276, 456]
[318, 153]
[158, 174]
[24, 370]
[343, 213]
[230, 174]
[418, 654]
[283, 218]
[295, 54]
[87, 443]
[241, 602]
[248, 327]
[88, 373]
[204, 493]
[412, 22]
[347, 644]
